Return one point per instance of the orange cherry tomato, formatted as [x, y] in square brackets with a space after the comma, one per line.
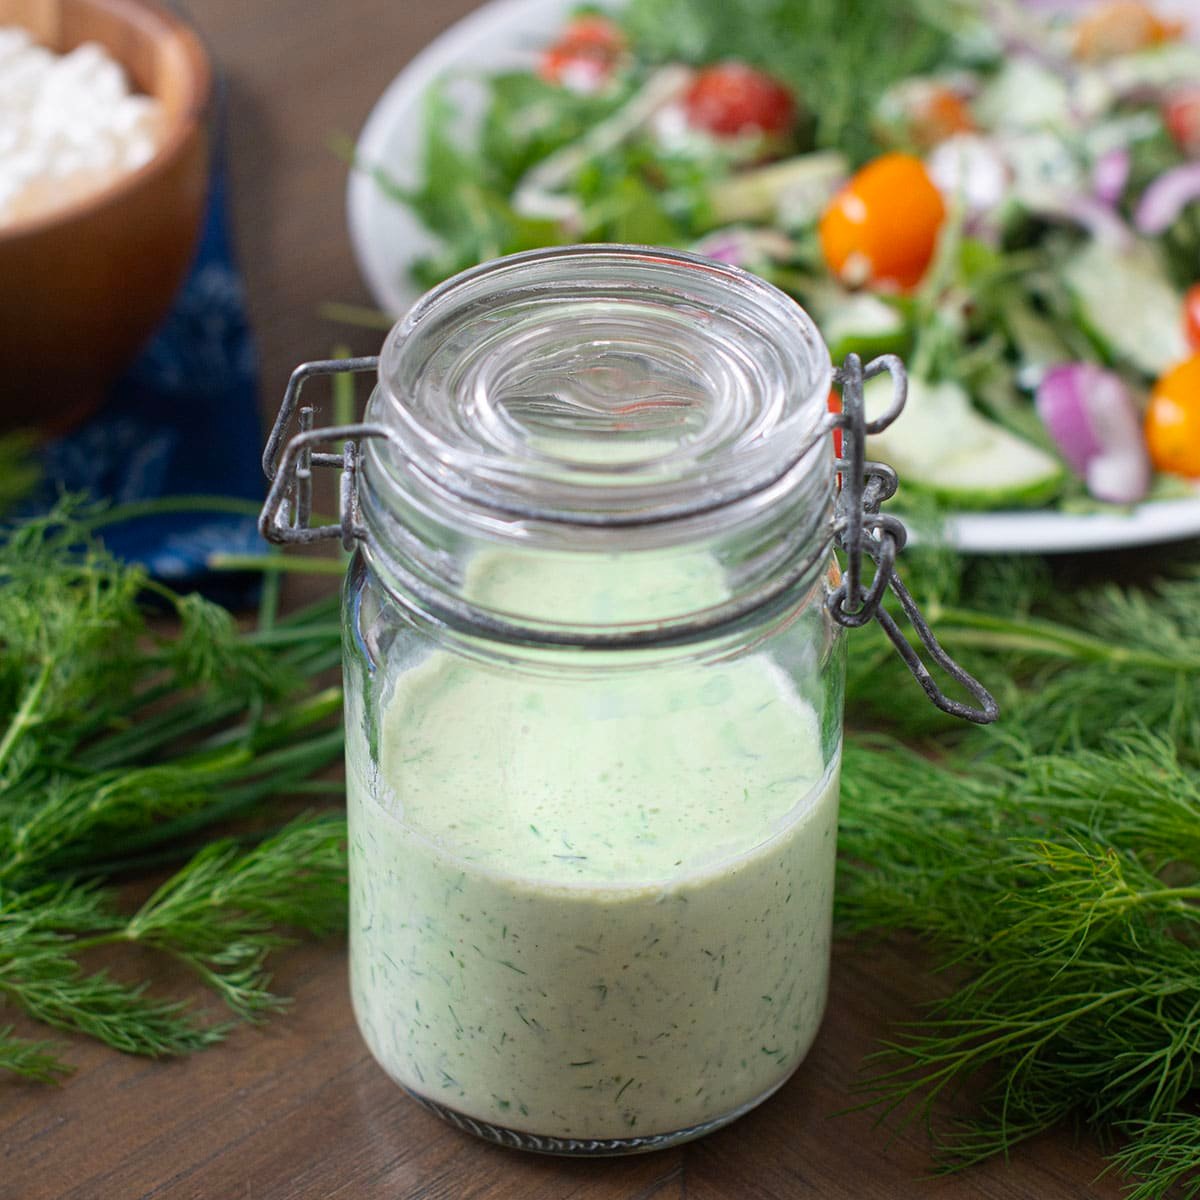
[882, 227]
[929, 113]
[585, 55]
[1191, 316]
[1173, 420]
[1122, 26]
[942, 115]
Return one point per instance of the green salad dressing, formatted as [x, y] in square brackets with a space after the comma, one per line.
[594, 906]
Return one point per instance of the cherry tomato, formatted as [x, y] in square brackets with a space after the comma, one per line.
[732, 98]
[1181, 113]
[835, 406]
[923, 112]
[941, 115]
[882, 227]
[1173, 420]
[1122, 26]
[1191, 316]
[585, 56]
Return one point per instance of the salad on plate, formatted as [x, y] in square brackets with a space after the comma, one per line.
[1006, 194]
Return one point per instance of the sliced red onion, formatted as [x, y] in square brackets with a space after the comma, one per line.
[1110, 175]
[970, 168]
[1166, 198]
[743, 247]
[1101, 220]
[1090, 414]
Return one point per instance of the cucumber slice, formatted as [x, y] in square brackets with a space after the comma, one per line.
[863, 324]
[941, 446]
[1128, 304]
[795, 190]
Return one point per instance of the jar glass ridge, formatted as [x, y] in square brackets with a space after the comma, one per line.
[594, 699]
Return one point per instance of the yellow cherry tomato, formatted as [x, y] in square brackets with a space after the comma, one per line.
[1173, 420]
[882, 227]
[1121, 27]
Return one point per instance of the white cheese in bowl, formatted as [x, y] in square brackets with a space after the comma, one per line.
[69, 125]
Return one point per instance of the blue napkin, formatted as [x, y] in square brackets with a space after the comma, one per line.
[182, 420]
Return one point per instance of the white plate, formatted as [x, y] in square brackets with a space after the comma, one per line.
[386, 237]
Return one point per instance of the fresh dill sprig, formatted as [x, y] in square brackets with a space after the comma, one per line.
[34, 1061]
[1162, 1154]
[121, 748]
[1051, 863]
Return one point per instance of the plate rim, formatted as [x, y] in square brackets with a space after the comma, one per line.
[1008, 531]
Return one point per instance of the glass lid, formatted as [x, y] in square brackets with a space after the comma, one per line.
[601, 383]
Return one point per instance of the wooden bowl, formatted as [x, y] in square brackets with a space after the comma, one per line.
[82, 287]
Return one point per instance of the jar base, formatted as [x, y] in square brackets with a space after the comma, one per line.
[520, 1139]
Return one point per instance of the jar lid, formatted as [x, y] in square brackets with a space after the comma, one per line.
[601, 385]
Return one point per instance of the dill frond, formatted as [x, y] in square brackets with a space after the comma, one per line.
[119, 748]
[1052, 865]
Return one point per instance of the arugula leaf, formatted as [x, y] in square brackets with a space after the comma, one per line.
[461, 201]
[528, 119]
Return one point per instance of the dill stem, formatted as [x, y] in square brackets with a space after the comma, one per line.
[176, 852]
[328, 631]
[268, 600]
[158, 730]
[361, 315]
[282, 767]
[1034, 635]
[268, 563]
[26, 715]
[326, 606]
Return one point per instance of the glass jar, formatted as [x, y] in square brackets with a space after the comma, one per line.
[594, 693]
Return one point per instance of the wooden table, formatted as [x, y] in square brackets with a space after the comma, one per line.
[298, 1110]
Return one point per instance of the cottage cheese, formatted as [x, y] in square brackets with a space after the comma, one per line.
[69, 125]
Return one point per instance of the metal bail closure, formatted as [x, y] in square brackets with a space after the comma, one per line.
[860, 528]
[287, 512]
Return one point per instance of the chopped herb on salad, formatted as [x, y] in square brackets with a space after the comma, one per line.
[1006, 194]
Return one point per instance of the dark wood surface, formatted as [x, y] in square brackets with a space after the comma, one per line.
[297, 1110]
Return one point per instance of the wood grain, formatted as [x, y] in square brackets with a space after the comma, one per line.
[297, 1110]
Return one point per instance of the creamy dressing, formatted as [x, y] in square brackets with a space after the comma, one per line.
[594, 906]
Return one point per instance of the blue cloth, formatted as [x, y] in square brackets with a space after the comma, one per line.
[182, 420]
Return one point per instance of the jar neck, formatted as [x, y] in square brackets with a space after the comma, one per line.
[598, 588]
[601, 447]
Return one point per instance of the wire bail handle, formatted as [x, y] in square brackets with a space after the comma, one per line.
[287, 509]
[860, 528]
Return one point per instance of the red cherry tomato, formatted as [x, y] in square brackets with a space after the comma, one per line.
[1191, 316]
[1173, 420]
[882, 227]
[1181, 112]
[835, 406]
[585, 55]
[732, 98]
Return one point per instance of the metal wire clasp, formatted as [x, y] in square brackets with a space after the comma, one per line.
[860, 528]
[288, 508]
